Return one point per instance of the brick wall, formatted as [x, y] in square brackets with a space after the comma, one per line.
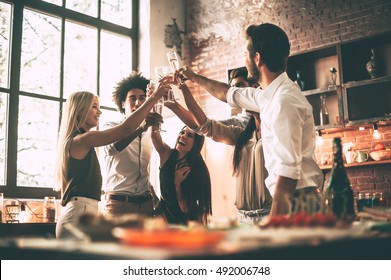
[214, 43]
[366, 178]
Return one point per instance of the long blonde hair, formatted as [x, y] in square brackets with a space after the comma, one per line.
[74, 116]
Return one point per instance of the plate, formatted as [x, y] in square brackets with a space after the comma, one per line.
[168, 237]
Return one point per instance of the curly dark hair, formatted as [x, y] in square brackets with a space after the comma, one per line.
[134, 80]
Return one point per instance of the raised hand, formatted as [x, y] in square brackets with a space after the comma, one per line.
[187, 72]
[181, 174]
[152, 119]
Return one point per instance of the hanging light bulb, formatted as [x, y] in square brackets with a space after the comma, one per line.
[376, 133]
[319, 139]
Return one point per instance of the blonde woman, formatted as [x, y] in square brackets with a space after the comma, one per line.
[78, 171]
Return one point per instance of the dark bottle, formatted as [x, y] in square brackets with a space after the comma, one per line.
[324, 112]
[368, 200]
[299, 80]
[360, 202]
[339, 194]
[376, 200]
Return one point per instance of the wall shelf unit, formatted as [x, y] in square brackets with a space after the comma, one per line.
[358, 164]
[353, 98]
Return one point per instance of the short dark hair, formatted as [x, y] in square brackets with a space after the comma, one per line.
[240, 72]
[134, 80]
[271, 42]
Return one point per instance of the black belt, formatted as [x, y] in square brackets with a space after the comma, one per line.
[255, 213]
[130, 198]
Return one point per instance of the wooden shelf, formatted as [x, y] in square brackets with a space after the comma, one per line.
[321, 90]
[358, 164]
[367, 82]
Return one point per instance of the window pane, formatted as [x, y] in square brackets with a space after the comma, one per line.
[41, 49]
[5, 33]
[116, 63]
[3, 130]
[117, 11]
[80, 59]
[109, 116]
[37, 142]
[88, 7]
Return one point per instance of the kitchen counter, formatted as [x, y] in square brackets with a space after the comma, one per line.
[357, 242]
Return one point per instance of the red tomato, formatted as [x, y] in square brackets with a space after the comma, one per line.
[379, 147]
[298, 219]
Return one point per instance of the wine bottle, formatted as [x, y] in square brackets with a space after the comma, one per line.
[339, 194]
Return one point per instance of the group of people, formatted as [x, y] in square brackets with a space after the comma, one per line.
[273, 140]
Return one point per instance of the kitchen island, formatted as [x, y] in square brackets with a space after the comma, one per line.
[358, 242]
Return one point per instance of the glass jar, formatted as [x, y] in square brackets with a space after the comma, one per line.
[49, 209]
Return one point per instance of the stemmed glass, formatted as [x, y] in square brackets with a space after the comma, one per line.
[158, 106]
[173, 60]
[174, 64]
[161, 72]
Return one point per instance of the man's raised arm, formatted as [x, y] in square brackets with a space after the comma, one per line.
[215, 88]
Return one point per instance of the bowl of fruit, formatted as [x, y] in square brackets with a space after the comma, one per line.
[380, 152]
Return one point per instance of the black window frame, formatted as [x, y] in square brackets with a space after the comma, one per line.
[10, 189]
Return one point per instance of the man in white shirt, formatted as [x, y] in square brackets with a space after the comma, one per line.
[128, 189]
[287, 126]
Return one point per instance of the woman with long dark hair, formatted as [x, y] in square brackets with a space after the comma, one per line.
[184, 178]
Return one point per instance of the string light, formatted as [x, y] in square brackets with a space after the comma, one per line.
[376, 133]
[319, 139]
[23, 214]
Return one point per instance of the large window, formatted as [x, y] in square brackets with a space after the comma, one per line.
[49, 49]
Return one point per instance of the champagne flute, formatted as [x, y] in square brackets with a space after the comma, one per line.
[159, 73]
[158, 106]
[173, 60]
[174, 63]
[167, 71]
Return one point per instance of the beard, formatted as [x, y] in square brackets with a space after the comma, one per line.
[253, 73]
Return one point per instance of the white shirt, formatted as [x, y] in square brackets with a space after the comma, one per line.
[288, 130]
[240, 119]
[128, 170]
[251, 193]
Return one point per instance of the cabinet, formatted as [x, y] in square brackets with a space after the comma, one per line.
[354, 98]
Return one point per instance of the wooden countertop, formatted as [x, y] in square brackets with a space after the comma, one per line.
[243, 243]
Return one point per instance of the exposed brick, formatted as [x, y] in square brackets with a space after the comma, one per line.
[309, 24]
